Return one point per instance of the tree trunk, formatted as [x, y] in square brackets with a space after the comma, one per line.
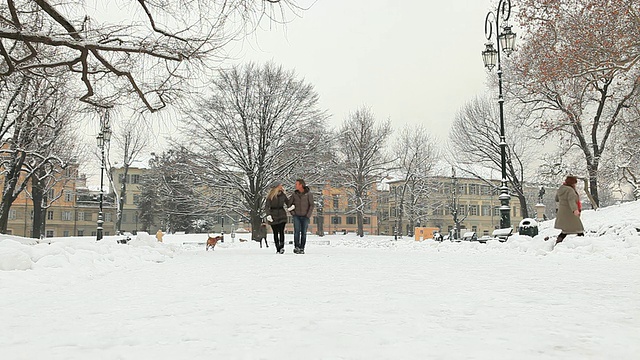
[524, 211]
[10, 182]
[320, 222]
[37, 193]
[256, 221]
[588, 185]
[123, 197]
[360, 224]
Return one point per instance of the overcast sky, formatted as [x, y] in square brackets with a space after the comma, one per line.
[413, 61]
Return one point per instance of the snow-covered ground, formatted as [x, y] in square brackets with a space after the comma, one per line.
[369, 298]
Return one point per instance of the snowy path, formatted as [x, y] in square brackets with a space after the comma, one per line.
[332, 303]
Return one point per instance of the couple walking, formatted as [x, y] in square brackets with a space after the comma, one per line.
[299, 204]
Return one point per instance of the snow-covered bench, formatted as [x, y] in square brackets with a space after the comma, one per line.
[502, 234]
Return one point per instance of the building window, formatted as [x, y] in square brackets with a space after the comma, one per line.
[485, 190]
[135, 179]
[462, 189]
[474, 229]
[351, 220]
[68, 196]
[514, 211]
[80, 232]
[66, 216]
[462, 209]
[65, 233]
[136, 199]
[336, 220]
[81, 216]
[51, 194]
[124, 217]
[366, 220]
[71, 173]
[336, 203]
[496, 211]
[473, 210]
[486, 210]
[12, 214]
[50, 215]
[473, 189]
[122, 178]
[107, 217]
[49, 233]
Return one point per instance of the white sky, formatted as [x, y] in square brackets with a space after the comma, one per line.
[412, 61]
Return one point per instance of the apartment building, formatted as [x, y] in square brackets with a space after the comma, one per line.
[476, 202]
[133, 181]
[335, 212]
[73, 211]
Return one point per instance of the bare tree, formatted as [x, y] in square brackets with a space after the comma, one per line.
[415, 156]
[626, 161]
[578, 73]
[140, 50]
[361, 157]
[475, 145]
[35, 119]
[130, 138]
[260, 124]
[174, 194]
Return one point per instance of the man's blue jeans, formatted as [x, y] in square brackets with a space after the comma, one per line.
[300, 226]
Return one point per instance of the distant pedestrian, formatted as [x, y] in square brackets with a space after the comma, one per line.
[276, 214]
[159, 235]
[569, 209]
[301, 209]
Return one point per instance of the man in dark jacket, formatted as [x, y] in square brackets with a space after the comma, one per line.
[302, 207]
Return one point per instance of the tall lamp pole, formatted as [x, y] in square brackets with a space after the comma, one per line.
[504, 42]
[103, 138]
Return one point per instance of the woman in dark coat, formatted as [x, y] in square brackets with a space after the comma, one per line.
[569, 209]
[276, 214]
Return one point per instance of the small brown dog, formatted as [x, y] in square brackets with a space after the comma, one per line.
[212, 241]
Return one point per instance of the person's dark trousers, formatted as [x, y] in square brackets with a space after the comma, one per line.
[278, 235]
[300, 226]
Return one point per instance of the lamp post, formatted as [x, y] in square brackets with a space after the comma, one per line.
[103, 138]
[491, 56]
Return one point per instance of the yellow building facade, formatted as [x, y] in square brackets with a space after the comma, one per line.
[476, 201]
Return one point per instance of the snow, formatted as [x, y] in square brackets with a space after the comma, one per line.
[356, 298]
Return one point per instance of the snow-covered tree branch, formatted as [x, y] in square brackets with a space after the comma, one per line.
[122, 47]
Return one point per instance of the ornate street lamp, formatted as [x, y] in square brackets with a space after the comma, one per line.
[491, 56]
[103, 139]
